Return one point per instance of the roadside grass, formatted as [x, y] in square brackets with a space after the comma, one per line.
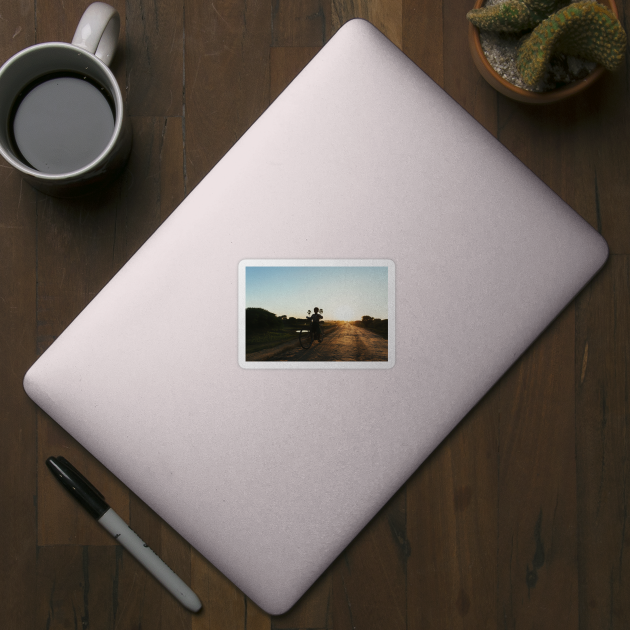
[380, 327]
[264, 339]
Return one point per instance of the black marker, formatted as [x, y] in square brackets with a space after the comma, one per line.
[94, 502]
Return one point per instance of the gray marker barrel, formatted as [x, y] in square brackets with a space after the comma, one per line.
[149, 559]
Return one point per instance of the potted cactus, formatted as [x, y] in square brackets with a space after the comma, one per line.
[558, 49]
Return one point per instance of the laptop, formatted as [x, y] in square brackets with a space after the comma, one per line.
[436, 257]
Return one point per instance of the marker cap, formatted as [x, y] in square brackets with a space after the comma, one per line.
[78, 486]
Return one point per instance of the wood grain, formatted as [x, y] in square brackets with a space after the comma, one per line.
[422, 36]
[300, 22]
[462, 81]
[452, 516]
[154, 57]
[226, 78]
[537, 509]
[602, 380]
[76, 587]
[609, 134]
[369, 577]
[18, 416]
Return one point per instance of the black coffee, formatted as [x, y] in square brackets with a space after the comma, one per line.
[61, 123]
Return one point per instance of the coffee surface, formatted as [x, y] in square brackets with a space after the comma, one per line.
[62, 124]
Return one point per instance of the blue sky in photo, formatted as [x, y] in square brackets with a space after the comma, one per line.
[345, 293]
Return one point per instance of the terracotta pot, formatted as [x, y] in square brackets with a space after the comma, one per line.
[518, 94]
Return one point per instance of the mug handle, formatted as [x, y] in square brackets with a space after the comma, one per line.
[98, 30]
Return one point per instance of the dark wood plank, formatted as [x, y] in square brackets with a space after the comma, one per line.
[226, 78]
[608, 126]
[76, 587]
[17, 28]
[452, 527]
[369, 577]
[422, 36]
[300, 22]
[461, 78]
[74, 248]
[386, 15]
[18, 421]
[154, 57]
[537, 537]
[18, 415]
[603, 443]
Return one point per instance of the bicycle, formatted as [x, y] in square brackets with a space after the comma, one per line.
[307, 335]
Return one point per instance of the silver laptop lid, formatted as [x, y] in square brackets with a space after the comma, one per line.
[362, 161]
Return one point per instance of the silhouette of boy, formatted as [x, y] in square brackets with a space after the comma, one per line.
[315, 317]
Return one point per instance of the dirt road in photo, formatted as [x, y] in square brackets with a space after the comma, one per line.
[346, 342]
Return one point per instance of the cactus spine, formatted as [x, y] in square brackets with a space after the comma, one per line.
[583, 29]
[513, 16]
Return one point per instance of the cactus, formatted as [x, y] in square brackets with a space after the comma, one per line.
[513, 16]
[584, 29]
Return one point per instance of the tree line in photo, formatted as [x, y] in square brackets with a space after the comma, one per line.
[379, 326]
[264, 329]
[259, 320]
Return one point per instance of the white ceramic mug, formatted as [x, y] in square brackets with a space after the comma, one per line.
[87, 57]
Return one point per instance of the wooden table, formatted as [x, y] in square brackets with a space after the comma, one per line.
[518, 520]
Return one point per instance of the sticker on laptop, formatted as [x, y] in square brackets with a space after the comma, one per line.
[316, 314]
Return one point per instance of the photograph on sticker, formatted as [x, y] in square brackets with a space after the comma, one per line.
[315, 313]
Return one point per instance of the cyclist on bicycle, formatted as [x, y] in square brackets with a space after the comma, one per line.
[315, 317]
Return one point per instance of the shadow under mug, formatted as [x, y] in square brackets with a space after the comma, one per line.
[88, 56]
